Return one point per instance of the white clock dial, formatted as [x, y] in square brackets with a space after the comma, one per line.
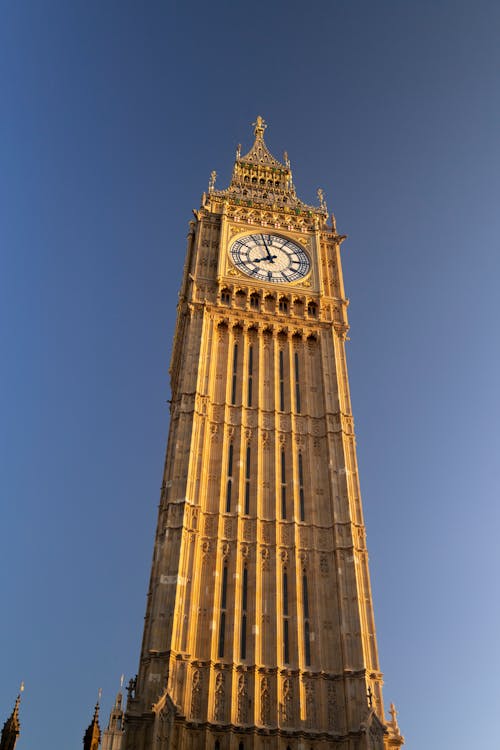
[269, 257]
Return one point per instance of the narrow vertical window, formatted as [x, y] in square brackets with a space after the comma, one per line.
[305, 596]
[243, 634]
[301, 490]
[250, 375]
[282, 382]
[297, 383]
[286, 646]
[235, 368]
[307, 634]
[247, 482]
[223, 603]
[229, 486]
[307, 644]
[283, 485]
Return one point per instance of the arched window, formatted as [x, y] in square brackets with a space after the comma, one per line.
[225, 297]
[312, 309]
[283, 305]
[254, 301]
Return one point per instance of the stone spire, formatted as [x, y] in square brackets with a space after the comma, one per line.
[12, 726]
[112, 736]
[395, 738]
[92, 736]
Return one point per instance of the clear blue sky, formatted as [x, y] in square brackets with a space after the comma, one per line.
[112, 116]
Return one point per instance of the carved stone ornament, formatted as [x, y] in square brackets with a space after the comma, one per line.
[287, 705]
[332, 706]
[220, 697]
[242, 712]
[265, 701]
[310, 704]
[196, 694]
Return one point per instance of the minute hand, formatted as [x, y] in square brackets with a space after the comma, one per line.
[270, 257]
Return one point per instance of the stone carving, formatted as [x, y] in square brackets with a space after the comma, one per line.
[285, 534]
[323, 565]
[264, 553]
[266, 532]
[228, 527]
[284, 556]
[265, 701]
[220, 697]
[209, 525]
[303, 557]
[287, 705]
[248, 530]
[205, 548]
[242, 713]
[324, 539]
[196, 695]
[332, 706]
[305, 537]
[310, 704]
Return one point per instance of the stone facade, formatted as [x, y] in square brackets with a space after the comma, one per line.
[259, 631]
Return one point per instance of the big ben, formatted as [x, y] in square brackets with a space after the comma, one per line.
[259, 631]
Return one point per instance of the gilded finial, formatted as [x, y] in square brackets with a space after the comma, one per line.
[211, 182]
[260, 126]
[122, 678]
[334, 223]
[321, 198]
[238, 151]
[286, 159]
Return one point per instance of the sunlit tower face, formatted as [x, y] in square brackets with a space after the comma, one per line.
[259, 629]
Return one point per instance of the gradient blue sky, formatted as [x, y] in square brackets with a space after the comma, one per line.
[113, 114]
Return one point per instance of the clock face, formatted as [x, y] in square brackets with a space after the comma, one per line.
[269, 257]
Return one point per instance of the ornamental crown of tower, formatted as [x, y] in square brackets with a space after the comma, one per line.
[262, 179]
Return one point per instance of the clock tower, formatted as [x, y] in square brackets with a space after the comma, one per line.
[259, 631]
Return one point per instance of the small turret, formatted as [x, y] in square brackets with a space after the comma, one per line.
[92, 736]
[12, 727]
[112, 737]
[395, 738]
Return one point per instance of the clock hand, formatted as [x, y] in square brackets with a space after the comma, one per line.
[270, 257]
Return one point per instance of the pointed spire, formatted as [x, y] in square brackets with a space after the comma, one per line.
[92, 736]
[112, 736]
[12, 727]
[395, 738]
[259, 153]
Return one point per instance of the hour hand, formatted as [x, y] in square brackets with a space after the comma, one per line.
[270, 257]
